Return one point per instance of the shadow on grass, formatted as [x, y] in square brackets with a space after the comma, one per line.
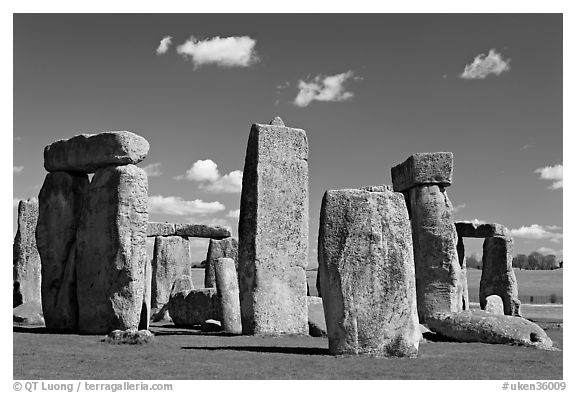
[284, 350]
[191, 333]
[35, 330]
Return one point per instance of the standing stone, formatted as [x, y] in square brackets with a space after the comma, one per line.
[89, 152]
[366, 270]
[61, 202]
[494, 305]
[112, 250]
[171, 260]
[26, 260]
[228, 295]
[189, 308]
[498, 276]
[423, 178]
[463, 284]
[225, 248]
[273, 231]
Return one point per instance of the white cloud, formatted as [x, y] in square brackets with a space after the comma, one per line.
[324, 88]
[456, 209]
[222, 51]
[536, 231]
[484, 65]
[234, 213]
[206, 173]
[554, 173]
[153, 169]
[475, 221]
[18, 169]
[164, 45]
[176, 206]
[548, 251]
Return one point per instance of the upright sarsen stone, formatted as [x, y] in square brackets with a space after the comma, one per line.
[111, 250]
[228, 295]
[366, 269]
[273, 231]
[26, 260]
[225, 248]
[170, 261]
[60, 207]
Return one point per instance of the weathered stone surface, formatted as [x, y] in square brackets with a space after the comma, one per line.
[225, 248]
[160, 229]
[438, 272]
[480, 326]
[26, 266]
[498, 276]
[463, 282]
[228, 295]
[61, 201]
[480, 230]
[130, 336]
[171, 260]
[494, 305]
[273, 231]
[423, 169]
[89, 152]
[316, 320]
[29, 313]
[192, 308]
[367, 273]
[378, 188]
[182, 283]
[200, 230]
[111, 250]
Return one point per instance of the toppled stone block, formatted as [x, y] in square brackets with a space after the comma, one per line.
[480, 230]
[228, 295]
[494, 305]
[130, 337]
[498, 276]
[481, 326]
[367, 274]
[26, 267]
[423, 169]
[225, 248]
[273, 231]
[200, 230]
[111, 250]
[160, 229]
[61, 202]
[192, 308]
[89, 152]
[171, 260]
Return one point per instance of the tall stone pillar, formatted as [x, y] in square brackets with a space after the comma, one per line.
[423, 179]
[366, 269]
[273, 231]
[111, 250]
[498, 276]
[26, 260]
[228, 294]
[225, 248]
[61, 201]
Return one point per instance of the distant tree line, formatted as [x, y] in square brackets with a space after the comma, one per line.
[534, 261]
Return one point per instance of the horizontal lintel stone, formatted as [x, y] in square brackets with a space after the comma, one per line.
[423, 168]
[187, 230]
[480, 230]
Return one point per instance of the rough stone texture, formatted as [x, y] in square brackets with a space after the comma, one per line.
[228, 295]
[26, 266]
[494, 305]
[367, 274]
[479, 230]
[111, 250]
[438, 273]
[423, 169]
[160, 229]
[61, 201]
[463, 282]
[192, 308]
[171, 260]
[182, 283]
[89, 152]
[316, 320]
[225, 248]
[273, 231]
[480, 326]
[498, 276]
[29, 313]
[130, 336]
[200, 230]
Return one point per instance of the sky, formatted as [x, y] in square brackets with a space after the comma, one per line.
[369, 89]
